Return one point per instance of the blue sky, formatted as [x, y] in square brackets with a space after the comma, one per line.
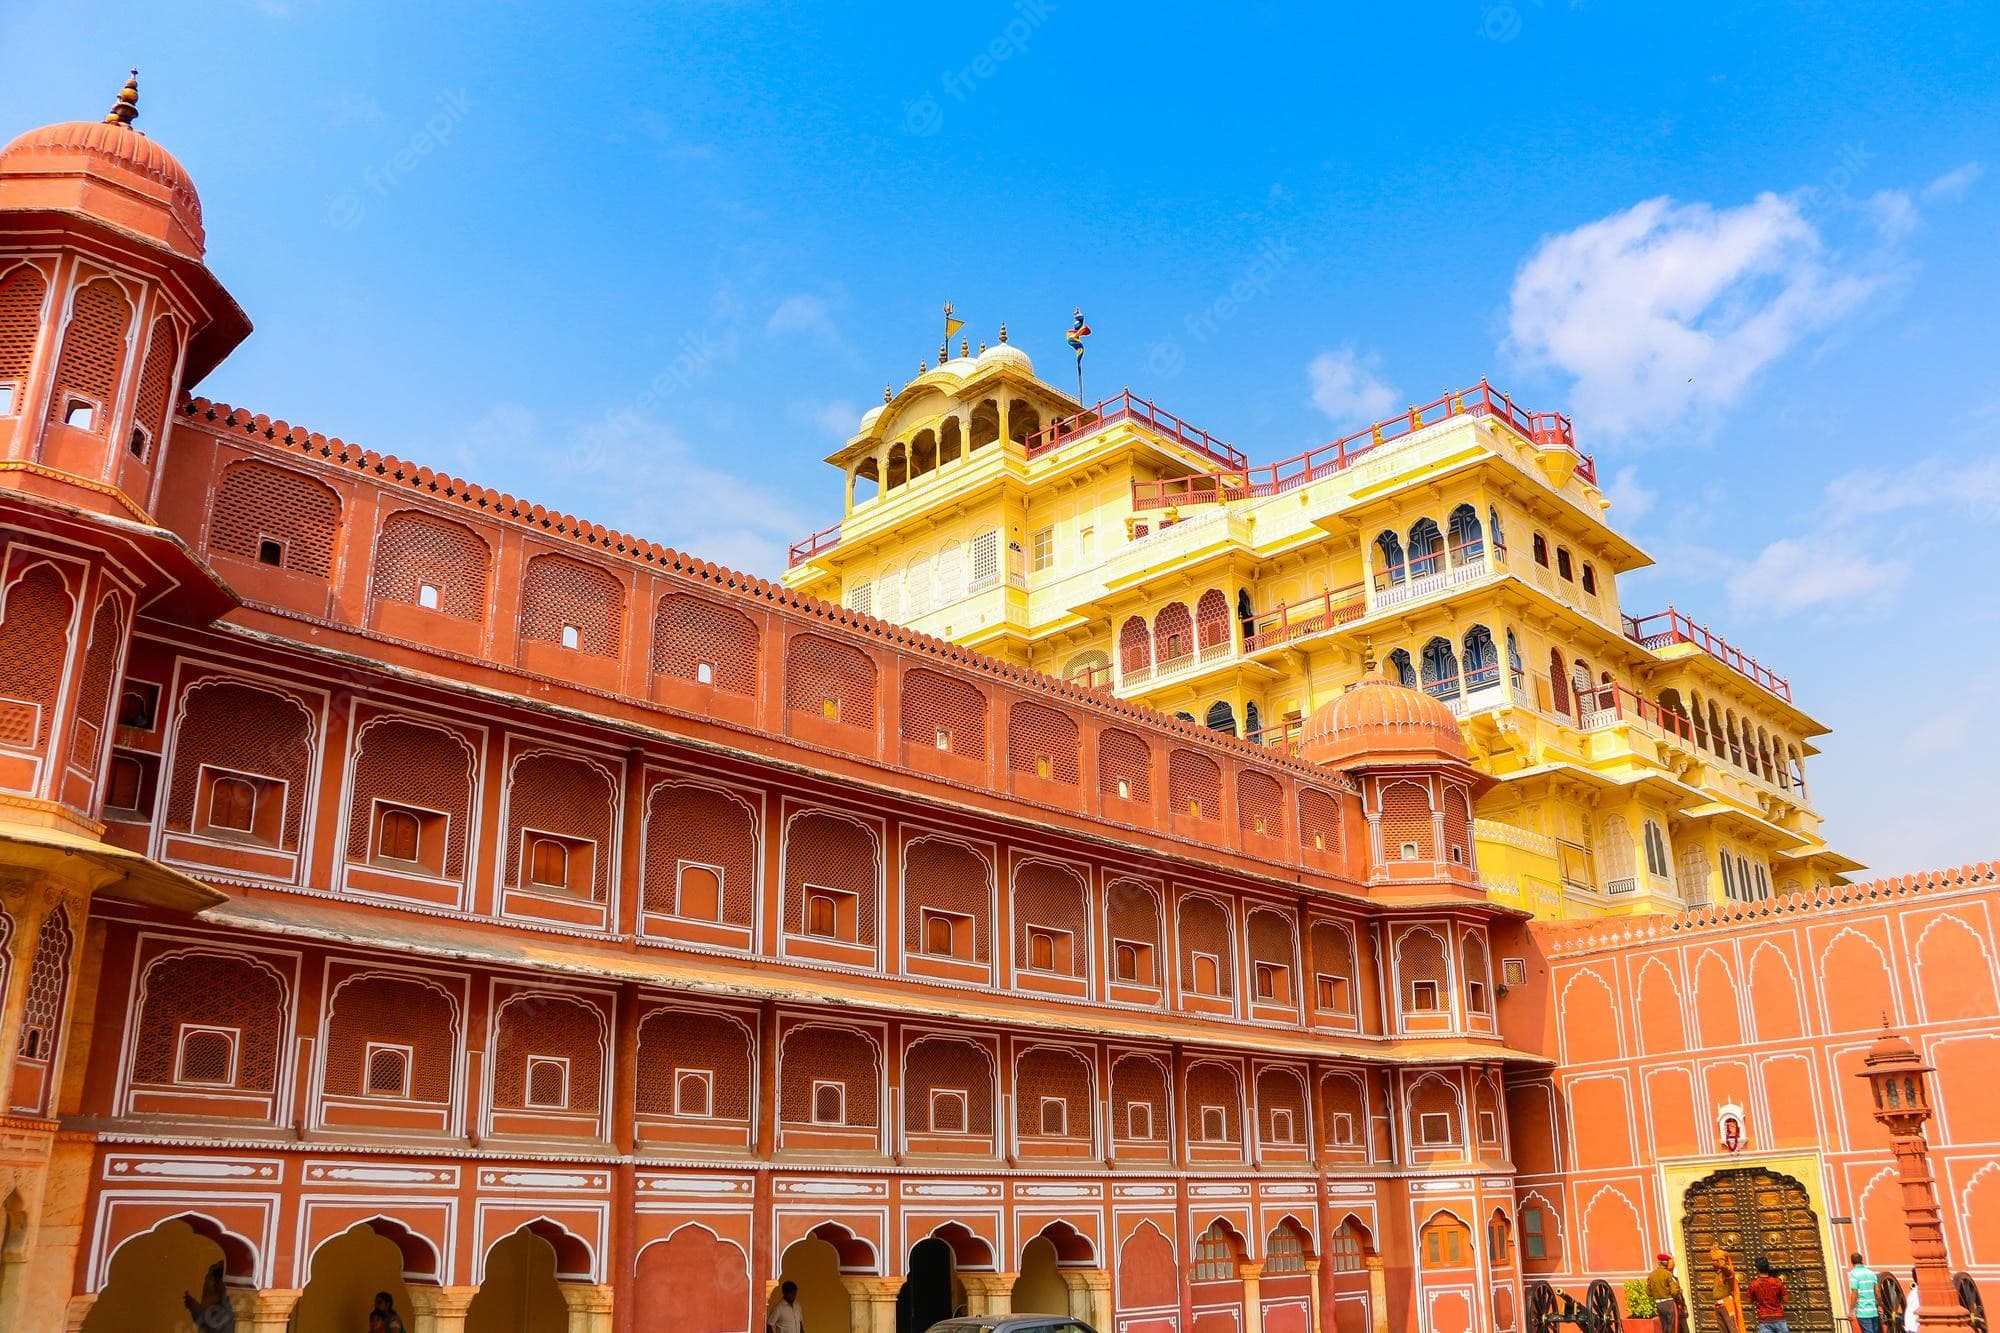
[647, 263]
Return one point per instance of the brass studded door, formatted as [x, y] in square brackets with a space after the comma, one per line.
[1751, 1212]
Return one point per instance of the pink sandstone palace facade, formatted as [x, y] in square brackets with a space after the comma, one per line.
[405, 887]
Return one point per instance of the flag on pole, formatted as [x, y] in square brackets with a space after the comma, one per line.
[951, 326]
[1077, 333]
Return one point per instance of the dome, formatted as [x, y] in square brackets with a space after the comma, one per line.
[1379, 721]
[870, 417]
[960, 366]
[1010, 354]
[108, 171]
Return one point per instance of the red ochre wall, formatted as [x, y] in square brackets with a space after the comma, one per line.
[1658, 1024]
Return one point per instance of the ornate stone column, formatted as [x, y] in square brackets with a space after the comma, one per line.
[872, 1303]
[989, 1293]
[77, 1311]
[1312, 1272]
[1252, 1276]
[439, 1309]
[1089, 1296]
[1378, 1293]
[266, 1311]
[589, 1306]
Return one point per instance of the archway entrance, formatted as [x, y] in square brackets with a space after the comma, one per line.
[1752, 1212]
[694, 1280]
[815, 1264]
[346, 1273]
[931, 1292]
[1041, 1287]
[151, 1273]
[519, 1292]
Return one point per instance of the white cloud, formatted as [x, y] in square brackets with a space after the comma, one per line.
[837, 419]
[803, 313]
[1666, 311]
[1795, 573]
[632, 471]
[1927, 482]
[1347, 389]
[1894, 214]
[1951, 186]
[1629, 500]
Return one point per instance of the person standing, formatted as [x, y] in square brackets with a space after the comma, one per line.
[1669, 1302]
[385, 1305]
[1862, 1281]
[1910, 1306]
[1767, 1299]
[785, 1316]
[212, 1313]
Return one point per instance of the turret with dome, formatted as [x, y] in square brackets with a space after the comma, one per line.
[107, 310]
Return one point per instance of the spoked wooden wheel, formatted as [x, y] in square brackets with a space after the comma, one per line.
[1968, 1296]
[1600, 1304]
[1890, 1298]
[1541, 1307]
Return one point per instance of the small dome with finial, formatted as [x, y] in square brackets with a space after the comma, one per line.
[109, 171]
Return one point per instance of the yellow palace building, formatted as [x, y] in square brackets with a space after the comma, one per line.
[1643, 763]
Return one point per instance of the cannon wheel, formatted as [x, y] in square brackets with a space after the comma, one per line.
[1600, 1304]
[1890, 1298]
[1968, 1296]
[1541, 1307]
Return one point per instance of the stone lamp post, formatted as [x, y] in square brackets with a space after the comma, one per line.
[1900, 1082]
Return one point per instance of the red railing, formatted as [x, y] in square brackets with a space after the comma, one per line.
[1127, 407]
[1620, 704]
[813, 545]
[1321, 613]
[1679, 629]
[1482, 400]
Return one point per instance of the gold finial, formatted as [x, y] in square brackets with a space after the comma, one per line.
[965, 347]
[126, 109]
[1003, 333]
[982, 347]
[886, 395]
[944, 351]
[923, 366]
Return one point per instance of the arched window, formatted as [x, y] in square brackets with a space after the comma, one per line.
[1400, 670]
[1173, 635]
[1493, 527]
[93, 356]
[1446, 1243]
[1482, 663]
[1589, 579]
[1516, 668]
[1564, 569]
[1467, 541]
[1656, 851]
[232, 805]
[1221, 717]
[397, 835]
[1215, 1255]
[1253, 724]
[1390, 547]
[1558, 682]
[1284, 1251]
[1344, 1249]
[1135, 645]
[1541, 550]
[1426, 548]
[1534, 1232]
[1440, 669]
[548, 863]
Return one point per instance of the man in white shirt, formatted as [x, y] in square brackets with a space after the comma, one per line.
[785, 1316]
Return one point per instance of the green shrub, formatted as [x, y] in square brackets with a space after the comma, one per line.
[1639, 1301]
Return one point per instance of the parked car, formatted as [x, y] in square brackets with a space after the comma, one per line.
[1012, 1323]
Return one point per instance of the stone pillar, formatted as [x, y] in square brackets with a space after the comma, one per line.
[1378, 1293]
[77, 1311]
[988, 1293]
[589, 1306]
[1252, 1277]
[871, 1303]
[439, 1309]
[266, 1311]
[1090, 1296]
[1312, 1271]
